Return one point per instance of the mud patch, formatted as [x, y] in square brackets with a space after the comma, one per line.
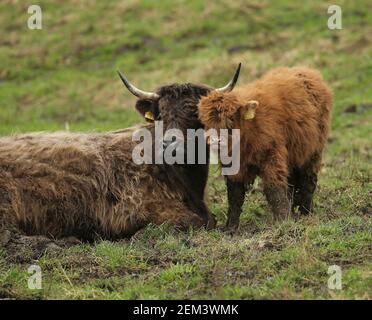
[25, 249]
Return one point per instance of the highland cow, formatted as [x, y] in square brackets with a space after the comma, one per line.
[284, 120]
[88, 186]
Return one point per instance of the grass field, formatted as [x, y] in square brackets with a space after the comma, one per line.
[65, 75]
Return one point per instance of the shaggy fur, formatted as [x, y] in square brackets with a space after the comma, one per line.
[282, 143]
[177, 106]
[86, 185]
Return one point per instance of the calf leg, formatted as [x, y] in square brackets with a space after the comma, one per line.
[305, 202]
[277, 199]
[275, 178]
[306, 184]
[293, 188]
[235, 193]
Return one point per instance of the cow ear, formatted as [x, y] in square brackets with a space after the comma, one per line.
[249, 110]
[146, 108]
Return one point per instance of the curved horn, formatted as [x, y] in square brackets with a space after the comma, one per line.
[135, 91]
[232, 82]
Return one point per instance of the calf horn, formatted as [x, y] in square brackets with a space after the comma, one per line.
[230, 86]
[135, 91]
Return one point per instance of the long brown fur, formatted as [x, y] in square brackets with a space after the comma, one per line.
[289, 130]
[86, 185]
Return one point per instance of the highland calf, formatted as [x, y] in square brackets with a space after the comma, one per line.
[284, 120]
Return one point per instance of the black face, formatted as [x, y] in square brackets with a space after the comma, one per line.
[177, 107]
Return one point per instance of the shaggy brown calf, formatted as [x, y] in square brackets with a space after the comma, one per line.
[87, 186]
[284, 120]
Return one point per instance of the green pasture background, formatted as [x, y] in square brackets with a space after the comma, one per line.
[64, 76]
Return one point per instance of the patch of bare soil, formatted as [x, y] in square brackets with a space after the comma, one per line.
[24, 249]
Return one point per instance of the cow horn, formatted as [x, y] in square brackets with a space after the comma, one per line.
[135, 91]
[230, 86]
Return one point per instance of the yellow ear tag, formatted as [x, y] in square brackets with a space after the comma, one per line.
[249, 115]
[149, 116]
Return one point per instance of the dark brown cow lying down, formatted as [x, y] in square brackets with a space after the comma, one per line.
[86, 185]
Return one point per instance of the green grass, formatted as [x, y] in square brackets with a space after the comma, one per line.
[65, 74]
